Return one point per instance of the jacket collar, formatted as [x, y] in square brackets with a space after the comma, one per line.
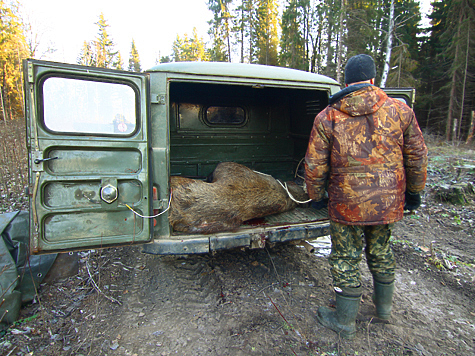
[344, 92]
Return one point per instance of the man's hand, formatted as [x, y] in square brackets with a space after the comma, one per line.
[413, 201]
[323, 203]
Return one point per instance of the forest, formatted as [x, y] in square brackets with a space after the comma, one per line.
[311, 35]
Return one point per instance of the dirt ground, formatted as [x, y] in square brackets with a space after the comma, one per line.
[263, 302]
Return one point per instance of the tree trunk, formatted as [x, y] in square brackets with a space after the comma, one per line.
[464, 83]
[339, 45]
[453, 85]
[389, 45]
[3, 106]
[472, 128]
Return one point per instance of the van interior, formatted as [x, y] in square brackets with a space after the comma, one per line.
[264, 128]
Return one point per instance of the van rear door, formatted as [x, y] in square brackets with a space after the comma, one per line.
[87, 138]
[406, 95]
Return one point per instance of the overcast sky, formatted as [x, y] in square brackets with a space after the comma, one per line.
[65, 25]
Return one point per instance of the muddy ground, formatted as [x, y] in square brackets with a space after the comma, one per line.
[263, 302]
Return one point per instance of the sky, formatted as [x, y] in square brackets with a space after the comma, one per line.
[153, 25]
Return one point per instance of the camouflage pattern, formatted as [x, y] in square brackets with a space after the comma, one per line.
[347, 247]
[368, 147]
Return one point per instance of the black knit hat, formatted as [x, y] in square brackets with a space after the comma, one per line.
[359, 68]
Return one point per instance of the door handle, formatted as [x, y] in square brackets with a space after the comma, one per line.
[39, 160]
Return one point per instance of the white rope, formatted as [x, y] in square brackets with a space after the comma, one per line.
[153, 216]
[297, 170]
[286, 189]
[290, 195]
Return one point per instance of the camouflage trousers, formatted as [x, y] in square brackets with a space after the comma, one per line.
[347, 247]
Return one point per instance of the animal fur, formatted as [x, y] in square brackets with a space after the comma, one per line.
[234, 194]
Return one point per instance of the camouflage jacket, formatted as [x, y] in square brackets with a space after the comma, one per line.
[369, 149]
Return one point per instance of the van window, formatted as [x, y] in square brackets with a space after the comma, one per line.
[89, 107]
[227, 115]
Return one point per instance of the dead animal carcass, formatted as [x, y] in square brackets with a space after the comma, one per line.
[233, 194]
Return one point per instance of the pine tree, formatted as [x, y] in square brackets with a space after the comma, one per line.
[267, 32]
[365, 29]
[459, 54]
[101, 51]
[134, 59]
[242, 28]
[189, 49]
[451, 50]
[292, 43]
[119, 64]
[220, 30]
[87, 55]
[106, 55]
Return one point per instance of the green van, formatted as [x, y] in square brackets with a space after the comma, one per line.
[103, 145]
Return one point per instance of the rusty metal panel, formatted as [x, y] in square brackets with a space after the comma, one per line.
[224, 242]
[178, 247]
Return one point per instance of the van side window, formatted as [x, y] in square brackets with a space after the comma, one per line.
[225, 115]
[72, 105]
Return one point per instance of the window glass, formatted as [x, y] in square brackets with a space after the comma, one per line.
[233, 115]
[401, 99]
[85, 106]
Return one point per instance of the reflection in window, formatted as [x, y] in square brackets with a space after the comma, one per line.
[84, 106]
[225, 115]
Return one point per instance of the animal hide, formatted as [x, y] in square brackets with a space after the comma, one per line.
[232, 195]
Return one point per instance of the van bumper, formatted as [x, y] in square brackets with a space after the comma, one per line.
[249, 238]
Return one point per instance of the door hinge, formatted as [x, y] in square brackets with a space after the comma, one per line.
[158, 99]
[31, 73]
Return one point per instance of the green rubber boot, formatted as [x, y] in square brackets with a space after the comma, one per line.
[383, 298]
[343, 320]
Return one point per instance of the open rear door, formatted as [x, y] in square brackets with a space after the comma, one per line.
[406, 95]
[87, 137]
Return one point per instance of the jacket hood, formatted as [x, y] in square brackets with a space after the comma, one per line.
[362, 101]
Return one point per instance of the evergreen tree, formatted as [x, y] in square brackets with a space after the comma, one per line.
[189, 49]
[366, 30]
[458, 56]
[292, 43]
[266, 40]
[242, 28]
[120, 63]
[220, 30]
[134, 59]
[106, 55]
[101, 51]
[87, 55]
[448, 68]
[316, 31]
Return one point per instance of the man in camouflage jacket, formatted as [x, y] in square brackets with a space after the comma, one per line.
[368, 151]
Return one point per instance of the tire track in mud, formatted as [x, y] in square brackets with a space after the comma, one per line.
[216, 304]
[230, 303]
